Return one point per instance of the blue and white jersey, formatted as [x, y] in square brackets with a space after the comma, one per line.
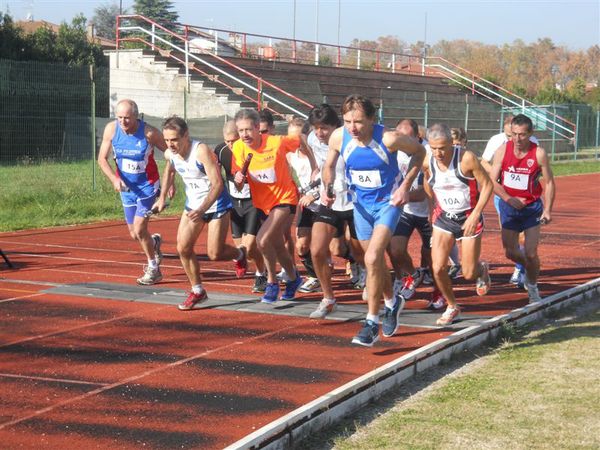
[134, 156]
[372, 172]
[197, 183]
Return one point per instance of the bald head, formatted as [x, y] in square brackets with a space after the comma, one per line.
[230, 133]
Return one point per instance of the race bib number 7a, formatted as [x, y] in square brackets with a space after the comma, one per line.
[366, 178]
[264, 175]
[518, 181]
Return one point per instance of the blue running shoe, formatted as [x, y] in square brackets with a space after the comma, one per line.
[391, 318]
[368, 335]
[271, 293]
[291, 287]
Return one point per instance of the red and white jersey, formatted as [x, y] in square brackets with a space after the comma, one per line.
[455, 193]
[520, 176]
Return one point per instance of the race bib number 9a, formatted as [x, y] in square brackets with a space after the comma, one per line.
[366, 178]
[518, 181]
[264, 175]
[133, 167]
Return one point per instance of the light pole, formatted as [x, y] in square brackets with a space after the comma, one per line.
[339, 20]
[294, 27]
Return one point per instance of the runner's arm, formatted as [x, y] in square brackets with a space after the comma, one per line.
[550, 189]
[167, 183]
[328, 169]
[495, 176]
[206, 157]
[103, 155]
[395, 141]
[470, 164]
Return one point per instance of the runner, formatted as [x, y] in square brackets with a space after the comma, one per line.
[207, 202]
[453, 177]
[273, 191]
[245, 218]
[369, 152]
[136, 177]
[518, 165]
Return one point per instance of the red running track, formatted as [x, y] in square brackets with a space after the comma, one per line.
[92, 372]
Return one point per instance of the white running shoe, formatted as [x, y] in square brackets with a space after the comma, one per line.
[515, 277]
[533, 292]
[310, 285]
[150, 276]
[282, 276]
[324, 308]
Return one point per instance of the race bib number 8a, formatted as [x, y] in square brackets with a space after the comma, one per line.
[518, 181]
[264, 175]
[131, 166]
[366, 178]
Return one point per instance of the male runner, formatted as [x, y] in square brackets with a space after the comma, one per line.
[369, 152]
[136, 177]
[518, 164]
[207, 203]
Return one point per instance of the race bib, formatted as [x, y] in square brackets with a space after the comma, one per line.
[264, 175]
[233, 191]
[132, 166]
[366, 178]
[452, 200]
[519, 181]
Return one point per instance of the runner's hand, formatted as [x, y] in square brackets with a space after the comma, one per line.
[470, 225]
[515, 203]
[400, 196]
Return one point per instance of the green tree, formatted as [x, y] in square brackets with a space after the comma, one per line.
[157, 10]
[13, 44]
[105, 20]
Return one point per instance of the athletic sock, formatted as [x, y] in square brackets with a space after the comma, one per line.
[152, 264]
[373, 318]
[390, 302]
[197, 288]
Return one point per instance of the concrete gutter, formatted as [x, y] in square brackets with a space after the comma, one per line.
[343, 401]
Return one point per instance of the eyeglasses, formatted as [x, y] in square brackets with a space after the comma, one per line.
[263, 131]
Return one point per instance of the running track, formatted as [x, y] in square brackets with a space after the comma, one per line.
[88, 359]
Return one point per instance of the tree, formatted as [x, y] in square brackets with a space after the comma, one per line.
[158, 10]
[13, 45]
[105, 20]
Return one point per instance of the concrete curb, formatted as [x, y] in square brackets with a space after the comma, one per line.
[331, 407]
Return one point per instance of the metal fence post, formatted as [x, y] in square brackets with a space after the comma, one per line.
[93, 126]
[597, 133]
[576, 135]
[466, 116]
[553, 131]
[502, 120]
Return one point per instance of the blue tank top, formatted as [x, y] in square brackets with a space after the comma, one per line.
[135, 161]
[372, 171]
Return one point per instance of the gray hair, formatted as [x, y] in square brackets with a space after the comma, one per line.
[133, 105]
[248, 113]
[229, 127]
[439, 131]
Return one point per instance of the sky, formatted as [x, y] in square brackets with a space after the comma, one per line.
[574, 24]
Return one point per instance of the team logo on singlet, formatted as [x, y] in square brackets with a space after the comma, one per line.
[530, 163]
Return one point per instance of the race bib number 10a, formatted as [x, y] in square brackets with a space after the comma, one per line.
[366, 178]
[518, 181]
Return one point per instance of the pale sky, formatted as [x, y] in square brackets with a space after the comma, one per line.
[575, 24]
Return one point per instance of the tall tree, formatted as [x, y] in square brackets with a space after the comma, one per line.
[105, 20]
[158, 10]
[13, 44]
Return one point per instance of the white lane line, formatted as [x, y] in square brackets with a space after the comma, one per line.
[54, 380]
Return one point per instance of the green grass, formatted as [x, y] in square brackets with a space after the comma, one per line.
[539, 392]
[34, 196]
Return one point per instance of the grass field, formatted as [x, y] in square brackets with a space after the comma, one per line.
[34, 196]
[539, 391]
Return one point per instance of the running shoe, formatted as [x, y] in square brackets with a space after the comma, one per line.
[449, 316]
[310, 285]
[150, 276]
[514, 278]
[260, 283]
[362, 278]
[483, 283]
[521, 282]
[437, 300]
[391, 318]
[397, 286]
[410, 284]
[324, 308]
[427, 278]
[241, 265]
[193, 301]
[455, 271]
[533, 292]
[368, 335]
[291, 287]
[271, 293]
[156, 241]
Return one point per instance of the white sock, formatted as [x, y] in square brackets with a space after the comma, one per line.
[373, 318]
[330, 301]
[152, 264]
[197, 288]
[390, 302]
[258, 273]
